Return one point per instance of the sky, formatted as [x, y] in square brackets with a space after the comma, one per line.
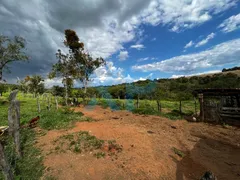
[139, 39]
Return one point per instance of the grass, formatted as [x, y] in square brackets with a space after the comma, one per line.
[170, 109]
[82, 142]
[178, 152]
[31, 165]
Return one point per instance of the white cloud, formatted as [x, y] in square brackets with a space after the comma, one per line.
[104, 26]
[110, 74]
[123, 55]
[230, 24]
[144, 78]
[196, 74]
[222, 54]
[188, 45]
[206, 40]
[184, 14]
[138, 46]
[146, 59]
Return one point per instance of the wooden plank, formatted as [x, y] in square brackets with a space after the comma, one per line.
[231, 108]
[230, 115]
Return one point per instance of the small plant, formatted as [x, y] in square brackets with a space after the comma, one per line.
[99, 155]
[179, 152]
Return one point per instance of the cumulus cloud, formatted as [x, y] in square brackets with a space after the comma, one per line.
[222, 54]
[230, 24]
[196, 74]
[138, 46]
[123, 55]
[104, 26]
[206, 40]
[188, 45]
[184, 14]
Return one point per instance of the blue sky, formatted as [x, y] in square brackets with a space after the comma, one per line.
[161, 44]
[139, 39]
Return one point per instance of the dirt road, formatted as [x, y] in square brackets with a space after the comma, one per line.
[148, 143]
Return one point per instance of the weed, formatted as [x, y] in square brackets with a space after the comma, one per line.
[30, 166]
[99, 155]
[178, 152]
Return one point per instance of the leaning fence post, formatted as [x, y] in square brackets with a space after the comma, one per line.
[4, 164]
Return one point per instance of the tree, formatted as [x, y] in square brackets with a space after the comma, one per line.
[84, 63]
[10, 51]
[65, 69]
[36, 84]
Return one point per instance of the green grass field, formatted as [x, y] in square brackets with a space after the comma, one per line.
[31, 165]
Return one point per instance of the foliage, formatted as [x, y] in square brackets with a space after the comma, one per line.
[10, 51]
[84, 63]
[36, 84]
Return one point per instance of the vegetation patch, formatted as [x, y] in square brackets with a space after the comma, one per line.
[178, 152]
[30, 166]
[83, 142]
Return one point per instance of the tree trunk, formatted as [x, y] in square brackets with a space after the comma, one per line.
[4, 164]
[1, 74]
[38, 105]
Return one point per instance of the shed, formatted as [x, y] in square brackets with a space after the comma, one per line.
[219, 105]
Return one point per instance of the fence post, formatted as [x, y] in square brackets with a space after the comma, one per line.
[56, 102]
[201, 106]
[11, 98]
[17, 129]
[38, 104]
[4, 164]
[14, 120]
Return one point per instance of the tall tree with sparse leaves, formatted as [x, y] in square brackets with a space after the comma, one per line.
[11, 50]
[65, 69]
[85, 64]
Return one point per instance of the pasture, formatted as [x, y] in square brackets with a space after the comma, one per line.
[105, 140]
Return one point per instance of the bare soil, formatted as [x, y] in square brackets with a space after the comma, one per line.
[148, 143]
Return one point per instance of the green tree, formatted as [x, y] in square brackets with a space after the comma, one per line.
[10, 51]
[65, 69]
[36, 84]
[84, 63]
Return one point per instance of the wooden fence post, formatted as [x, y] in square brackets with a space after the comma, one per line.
[11, 114]
[5, 167]
[38, 105]
[56, 101]
[17, 129]
[14, 120]
[48, 102]
[201, 107]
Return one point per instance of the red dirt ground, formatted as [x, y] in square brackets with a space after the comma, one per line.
[147, 149]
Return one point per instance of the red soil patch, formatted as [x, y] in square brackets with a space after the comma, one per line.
[147, 153]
